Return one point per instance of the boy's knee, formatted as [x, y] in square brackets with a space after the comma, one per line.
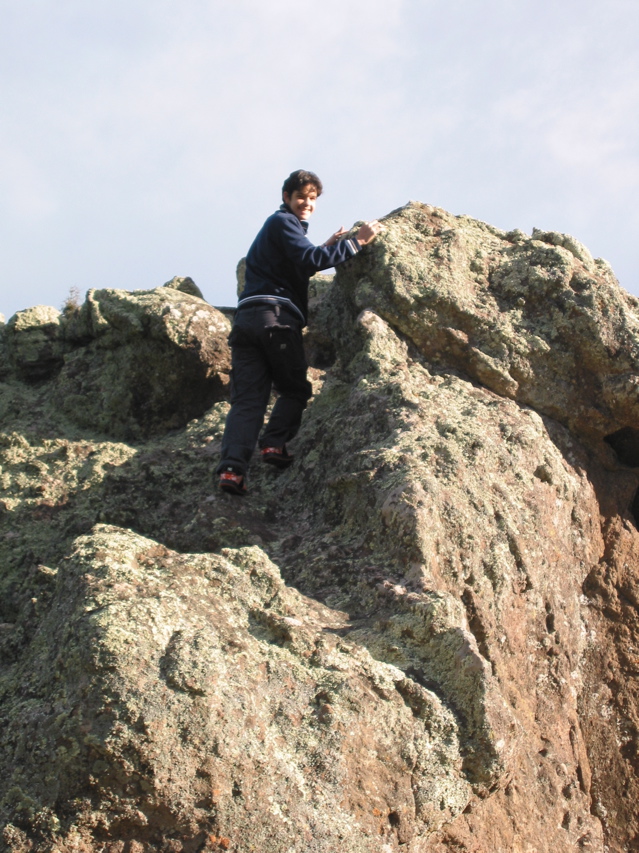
[299, 390]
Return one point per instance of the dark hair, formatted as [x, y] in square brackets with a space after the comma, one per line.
[301, 178]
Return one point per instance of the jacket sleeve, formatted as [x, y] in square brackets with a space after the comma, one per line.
[301, 252]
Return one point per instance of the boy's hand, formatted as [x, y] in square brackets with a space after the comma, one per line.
[336, 236]
[368, 231]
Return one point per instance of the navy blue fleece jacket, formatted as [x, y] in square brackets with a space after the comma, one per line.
[282, 259]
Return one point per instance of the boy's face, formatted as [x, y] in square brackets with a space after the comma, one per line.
[302, 202]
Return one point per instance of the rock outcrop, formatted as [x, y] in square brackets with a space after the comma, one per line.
[423, 636]
[126, 365]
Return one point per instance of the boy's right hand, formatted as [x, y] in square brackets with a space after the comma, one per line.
[368, 231]
[336, 236]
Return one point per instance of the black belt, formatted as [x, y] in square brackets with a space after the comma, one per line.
[272, 302]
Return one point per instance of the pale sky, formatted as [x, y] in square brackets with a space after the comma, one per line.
[142, 139]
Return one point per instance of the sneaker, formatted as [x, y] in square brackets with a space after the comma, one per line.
[278, 456]
[232, 483]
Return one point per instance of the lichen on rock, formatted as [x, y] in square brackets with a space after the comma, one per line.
[140, 642]
[127, 364]
[535, 320]
[32, 342]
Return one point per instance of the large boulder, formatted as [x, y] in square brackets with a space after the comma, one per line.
[143, 362]
[33, 343]
[185, 699]
[457, 528]
[534, 319]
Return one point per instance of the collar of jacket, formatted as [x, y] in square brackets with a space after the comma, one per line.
[286, 209]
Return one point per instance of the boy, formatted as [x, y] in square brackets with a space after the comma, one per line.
[266, 340]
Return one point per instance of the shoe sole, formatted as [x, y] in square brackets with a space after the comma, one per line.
[277, 461]
[233, 490]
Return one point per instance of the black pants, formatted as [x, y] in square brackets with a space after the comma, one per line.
[266, 352]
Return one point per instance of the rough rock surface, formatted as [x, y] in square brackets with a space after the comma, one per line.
[126, 364]
[33, 346]
[422, 637]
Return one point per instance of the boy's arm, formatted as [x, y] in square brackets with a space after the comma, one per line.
[299, 249]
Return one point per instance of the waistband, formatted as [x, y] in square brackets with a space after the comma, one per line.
[250, 301]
